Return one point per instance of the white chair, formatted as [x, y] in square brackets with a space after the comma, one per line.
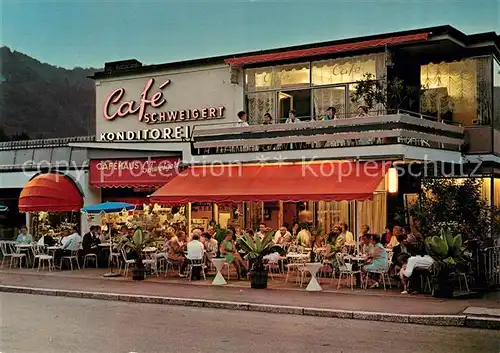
[88, 257]
[40, 254]
[17, 255]
[327, 263]
[196, 263]
[384, 273]
[294, 265]
[345, 268]
[6, 251]
[126, 262]
[70, 258]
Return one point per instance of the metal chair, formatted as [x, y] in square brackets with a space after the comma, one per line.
[70, 258]
[196, 263]
[88, 257]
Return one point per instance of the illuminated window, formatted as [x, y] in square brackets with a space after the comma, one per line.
[345, 70]
[458, 91]
[260, 103]
[291, 75]
[259, 79]
[496, 94]
[323, 98]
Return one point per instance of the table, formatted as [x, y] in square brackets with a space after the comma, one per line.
[297, 256]
[107, 245]
[219, 279]
[24, 246]
[313, 268]
[149, 249]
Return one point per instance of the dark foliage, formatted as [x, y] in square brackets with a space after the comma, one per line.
[40, 100]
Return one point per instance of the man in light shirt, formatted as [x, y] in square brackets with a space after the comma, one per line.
[73, 242]
[24, 237]
[292, 118]
[262, 231]
[195, 251]
[410, 264]
[282, 236]
[242, 119]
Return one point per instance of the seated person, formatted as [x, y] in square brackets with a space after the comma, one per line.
[24, 237]
[282, 236]
[175, 251]
[47, 240]
[91, 241]
[211, 247]
[410, 264]
[195, 254]
[70, 243]
[348, 236]
[230, 253]
[377, 261]
[396, 234]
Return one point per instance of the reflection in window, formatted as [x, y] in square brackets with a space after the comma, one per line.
[345, 70]
[259, 104]
[323, 98]
[457, 91]
[496, 93]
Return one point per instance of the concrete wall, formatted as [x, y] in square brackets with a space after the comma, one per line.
[193, 88]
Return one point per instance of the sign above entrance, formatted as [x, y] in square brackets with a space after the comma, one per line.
[115, 106]
[141, 172]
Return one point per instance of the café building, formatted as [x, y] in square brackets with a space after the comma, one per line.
[170, 133]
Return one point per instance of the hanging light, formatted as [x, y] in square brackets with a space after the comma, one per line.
[392, 180]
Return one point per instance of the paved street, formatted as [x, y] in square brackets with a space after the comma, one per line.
[54, 324]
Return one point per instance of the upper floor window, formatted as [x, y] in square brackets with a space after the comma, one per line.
[458, 91]
[496, 94]
[277, 77]
[347, 70]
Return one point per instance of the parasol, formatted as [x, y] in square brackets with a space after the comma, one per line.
[105, 208]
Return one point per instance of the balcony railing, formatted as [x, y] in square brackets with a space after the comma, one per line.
[401, 128]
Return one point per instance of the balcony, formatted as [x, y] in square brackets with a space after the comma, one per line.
[346, 138]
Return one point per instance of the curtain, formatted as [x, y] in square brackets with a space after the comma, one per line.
[258, 104]
[350, 69]
[330, 213]
[329, 97]
[374, 213]
[450, 90]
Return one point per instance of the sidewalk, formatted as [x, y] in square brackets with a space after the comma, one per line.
[238, 293]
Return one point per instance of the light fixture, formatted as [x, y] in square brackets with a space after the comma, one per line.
[392, 180]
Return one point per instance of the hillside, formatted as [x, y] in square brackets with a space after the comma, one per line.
[42, 100]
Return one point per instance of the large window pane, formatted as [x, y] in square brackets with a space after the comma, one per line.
[345, 70]
[299, 100]
[259, 104]
[496, 93]
[259, 79]
[457, 91]
[323, 98]
[331, 213]
[291, 75]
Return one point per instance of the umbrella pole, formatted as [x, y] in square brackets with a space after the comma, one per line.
[110, 258]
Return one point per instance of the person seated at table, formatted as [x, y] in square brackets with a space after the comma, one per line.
[397, 232]
[211, 246]
[262, 230]
[377, 261]
[412, 264]
[72, 243]
[195, 254]
[230, 253]
[365, 246]
[24, 237]
[91, 241]
[175, 251]
[348, 236]
[282, 236]
[47, 239]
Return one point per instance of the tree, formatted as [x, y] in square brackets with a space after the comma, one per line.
[391, 94]
[446, 203]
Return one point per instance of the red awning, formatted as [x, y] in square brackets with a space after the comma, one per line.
[329, 180]
[332, 49]
[50, 193]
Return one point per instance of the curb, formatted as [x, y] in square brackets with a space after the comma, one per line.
[430, 320]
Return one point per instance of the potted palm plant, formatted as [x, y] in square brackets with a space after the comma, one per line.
[255, 250]
[449, 257]
[136, 245]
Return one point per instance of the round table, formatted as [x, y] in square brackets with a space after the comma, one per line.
[219, 279]
[149, 249]
[105, 245]
[24, 246]
[313, 268]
